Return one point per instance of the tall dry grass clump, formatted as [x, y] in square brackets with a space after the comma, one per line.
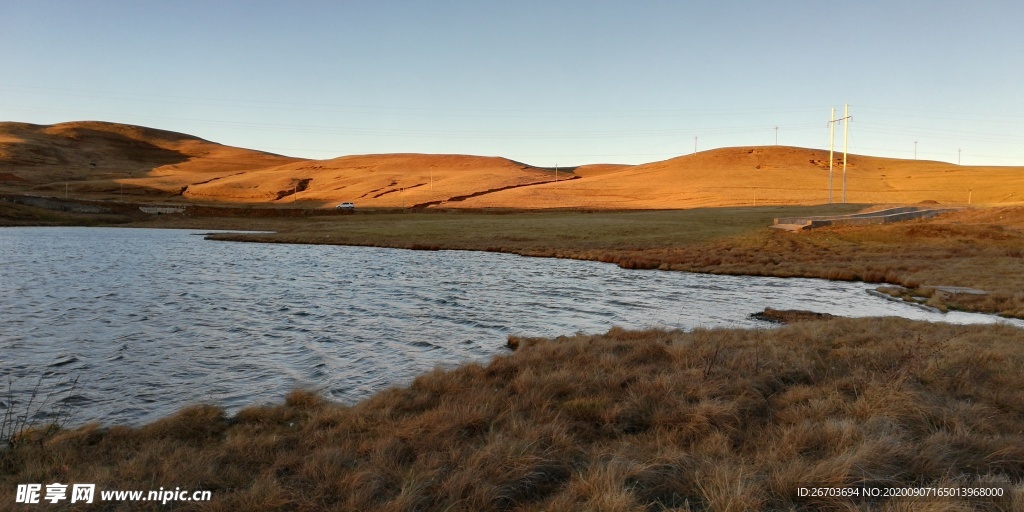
[731, 420]
[28, 412]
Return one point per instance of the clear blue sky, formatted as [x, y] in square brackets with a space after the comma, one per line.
[544, 82]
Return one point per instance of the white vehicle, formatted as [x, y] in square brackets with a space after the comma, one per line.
[346, 206]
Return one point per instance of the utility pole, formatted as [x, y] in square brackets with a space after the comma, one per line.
[831, 149]
[831, 143]
[846, 123]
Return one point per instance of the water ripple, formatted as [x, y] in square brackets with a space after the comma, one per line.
[153, 320]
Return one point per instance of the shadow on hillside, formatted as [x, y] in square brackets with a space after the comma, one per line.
[89, 149]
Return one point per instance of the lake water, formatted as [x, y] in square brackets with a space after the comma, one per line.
[154, 320]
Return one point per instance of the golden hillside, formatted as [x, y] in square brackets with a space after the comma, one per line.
[97, 160]
[769, 175]
[392, 180]
[93, 158]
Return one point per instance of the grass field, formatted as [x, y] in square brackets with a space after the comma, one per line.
[724, 420]
[542, 233]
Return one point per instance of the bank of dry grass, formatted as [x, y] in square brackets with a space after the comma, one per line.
[542, 233]
[727, 420]
[12, 215]
[982, 249]
[978, 248]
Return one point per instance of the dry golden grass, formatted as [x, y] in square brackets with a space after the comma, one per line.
[625, 421]
[586, 171]
[534, 233]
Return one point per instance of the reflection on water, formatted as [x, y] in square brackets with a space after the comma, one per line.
[153, 320]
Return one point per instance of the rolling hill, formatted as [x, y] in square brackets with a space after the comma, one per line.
[769, 175]
[373, 180]
[96, 160]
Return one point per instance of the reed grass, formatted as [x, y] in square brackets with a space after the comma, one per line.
[25, 409]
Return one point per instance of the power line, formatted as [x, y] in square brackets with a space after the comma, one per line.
[394, 109]
[473, 134]
[846, 124]
[933, 111]
[661, 136]
[935, 132]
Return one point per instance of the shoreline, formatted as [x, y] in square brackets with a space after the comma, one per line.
[712, 418]
[885, 290]
[972, 249]
[687, 419]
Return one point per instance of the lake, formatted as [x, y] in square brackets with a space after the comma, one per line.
[150, 321]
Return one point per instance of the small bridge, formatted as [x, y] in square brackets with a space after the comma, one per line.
[887, 216]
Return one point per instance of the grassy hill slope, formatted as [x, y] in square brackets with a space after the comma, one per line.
[373, 180]
[95, 160]
[770, 175]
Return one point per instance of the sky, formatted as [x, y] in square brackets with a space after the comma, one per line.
[542, 82]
